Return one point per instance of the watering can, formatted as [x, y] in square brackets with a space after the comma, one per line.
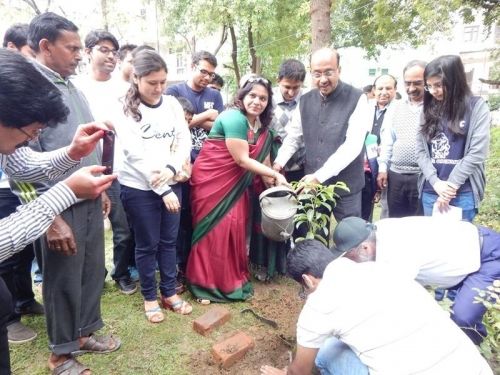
[279, 206]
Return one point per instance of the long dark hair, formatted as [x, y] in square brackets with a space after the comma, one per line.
[144, 62]
[267, 115]
[456, 93]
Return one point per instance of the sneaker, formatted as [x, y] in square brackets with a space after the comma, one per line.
[134, 274]
[439, 294]
[18, 333]
[126, 286]
[34, 308]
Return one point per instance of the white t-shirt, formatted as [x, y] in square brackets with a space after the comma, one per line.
[105, 101]
[407, 334]
[433, 251]
[161, 138]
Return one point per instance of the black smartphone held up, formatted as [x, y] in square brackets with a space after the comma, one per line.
[108, 151]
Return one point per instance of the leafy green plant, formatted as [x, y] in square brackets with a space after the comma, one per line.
[490, 298]
[310, 199]
[494, 101]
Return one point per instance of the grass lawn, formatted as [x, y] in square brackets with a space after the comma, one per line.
[172, 347]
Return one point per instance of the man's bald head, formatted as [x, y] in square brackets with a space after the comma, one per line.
[325, 70]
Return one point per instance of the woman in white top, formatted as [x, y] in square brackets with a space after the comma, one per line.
[155, 140]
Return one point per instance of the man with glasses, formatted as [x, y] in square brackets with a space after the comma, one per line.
[398, 168]
[73, 250]
[333, 125]
[103, 93]
[207, 103]
[25, 109]
[16, 271]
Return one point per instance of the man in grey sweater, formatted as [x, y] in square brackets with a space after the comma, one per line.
[398, 168]
[73, 250]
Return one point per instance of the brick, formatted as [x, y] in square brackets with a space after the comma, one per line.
[232, 349]
[213, 318]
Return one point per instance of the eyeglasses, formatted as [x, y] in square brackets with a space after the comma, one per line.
[437, 86]
[33, 136]
[206, 73]
[106, 50]
[327, 73]
[413, 83]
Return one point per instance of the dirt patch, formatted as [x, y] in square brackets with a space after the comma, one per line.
[277, 301]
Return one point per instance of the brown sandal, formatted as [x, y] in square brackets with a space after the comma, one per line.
[99, 345]
[70, 367]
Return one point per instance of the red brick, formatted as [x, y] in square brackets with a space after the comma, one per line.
[213, 318]
[232, 349]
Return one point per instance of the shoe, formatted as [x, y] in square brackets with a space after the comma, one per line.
[34, 308]
[180, 306]
[18, 333]
[134, 274]
[179, 287]
[126, 286]
[70, 366]
[99, 345]
[439, 294]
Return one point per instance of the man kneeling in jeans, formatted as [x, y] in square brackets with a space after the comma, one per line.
[351, 324]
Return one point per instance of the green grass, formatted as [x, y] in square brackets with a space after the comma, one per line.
[169, 347]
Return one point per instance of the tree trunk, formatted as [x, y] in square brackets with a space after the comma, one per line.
[234, 53]
[222, 40]
[104, 10]
[321, 28]
[251, 47]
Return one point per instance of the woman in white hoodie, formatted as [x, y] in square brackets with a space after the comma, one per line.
[155, 140]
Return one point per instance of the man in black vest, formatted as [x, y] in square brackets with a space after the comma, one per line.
[333, 124]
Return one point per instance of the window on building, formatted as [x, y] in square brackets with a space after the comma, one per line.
[471, 34]
[384, 71]
[372, 72]
[181, 62]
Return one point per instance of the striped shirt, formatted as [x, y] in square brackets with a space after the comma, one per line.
[30, 221]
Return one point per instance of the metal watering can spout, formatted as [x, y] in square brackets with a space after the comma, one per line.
[279, 206]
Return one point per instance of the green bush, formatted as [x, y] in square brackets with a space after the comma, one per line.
[494, 102]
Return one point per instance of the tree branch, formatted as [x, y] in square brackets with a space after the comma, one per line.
[222, 40]
[33, 6]
[234, 53]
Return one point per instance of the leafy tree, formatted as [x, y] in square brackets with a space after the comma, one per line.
[262, 32]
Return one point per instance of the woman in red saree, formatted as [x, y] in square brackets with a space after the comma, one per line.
[236, 151]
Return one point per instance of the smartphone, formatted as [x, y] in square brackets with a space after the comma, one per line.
[108, 151]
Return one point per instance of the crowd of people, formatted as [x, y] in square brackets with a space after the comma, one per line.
[183, 198]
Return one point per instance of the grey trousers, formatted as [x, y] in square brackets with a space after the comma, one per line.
[72, 285]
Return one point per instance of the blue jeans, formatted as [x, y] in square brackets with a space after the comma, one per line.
[467, 314]
[155, 231]
[123, 242]
[463, 200]
[336, 358]
[16, 270]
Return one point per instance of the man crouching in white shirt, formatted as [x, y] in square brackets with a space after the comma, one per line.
[359, 328]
